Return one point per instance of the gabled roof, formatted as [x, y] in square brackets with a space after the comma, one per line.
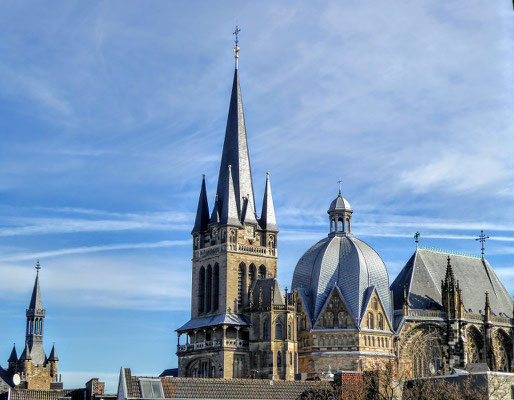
[202, 211]
[335, 291]
[235, 153]
[268, 220]
[266, 285]
[426, 269]
[367, 299]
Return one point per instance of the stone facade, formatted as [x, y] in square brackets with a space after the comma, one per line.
[33, 368]
[342, 313]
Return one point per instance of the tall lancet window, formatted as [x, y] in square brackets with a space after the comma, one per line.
[208, 289]
[201, 290]
[215, 287]
[240, 286]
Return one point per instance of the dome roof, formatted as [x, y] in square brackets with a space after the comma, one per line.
[348, 263]
[339, 203]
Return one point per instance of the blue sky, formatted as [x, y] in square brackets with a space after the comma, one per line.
[111, 111]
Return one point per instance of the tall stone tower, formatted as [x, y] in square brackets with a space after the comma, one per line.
[233, 248]
[34, 368]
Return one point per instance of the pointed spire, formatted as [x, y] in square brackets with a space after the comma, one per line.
[229, 214]
[235, 153]
[202, 212]
[268, 221]
[25, 356]
[53, 355]
[215, 216]
[14, 356]
[35, 300]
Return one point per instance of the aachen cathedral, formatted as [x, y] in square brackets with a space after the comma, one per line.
[443, 311]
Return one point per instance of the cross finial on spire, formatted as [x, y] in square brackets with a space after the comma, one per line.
[236, 47]
[482, 238]
[38, 267]
[340, 181]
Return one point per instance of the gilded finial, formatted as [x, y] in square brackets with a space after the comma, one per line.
[340, 181]
[236, 47]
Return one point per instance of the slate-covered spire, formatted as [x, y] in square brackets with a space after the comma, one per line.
[229, 213]
[35, 300]
[235, 153]
[53, 355]
[35, 323]
[202, 212]
[25, 356]
[14, 356]
[215, 216]
[268, 220]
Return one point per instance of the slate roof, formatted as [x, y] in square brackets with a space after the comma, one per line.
[350, 264]
[208, 388]
[266, 285]
[235, 153]
[268, 220]
[212, 320]
[423, 274]
[339, 203]
[202, 212]
[35, 300]
[5, 379]
[33, 394]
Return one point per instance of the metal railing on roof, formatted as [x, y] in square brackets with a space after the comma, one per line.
[449, 252]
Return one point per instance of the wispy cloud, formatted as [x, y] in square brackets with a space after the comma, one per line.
[94, 249]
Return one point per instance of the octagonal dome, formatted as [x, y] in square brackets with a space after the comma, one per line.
[348, 263]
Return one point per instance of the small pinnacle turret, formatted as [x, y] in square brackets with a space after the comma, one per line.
[202, 212]
[25, 356]
[53, 355]
[14, 356]
[215, 216]
[230, 215]
[268, 221]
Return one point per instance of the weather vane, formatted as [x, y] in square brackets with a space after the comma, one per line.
[236, 47]
[340, 181]
[482, 238]
[38, 267]
[417, 235]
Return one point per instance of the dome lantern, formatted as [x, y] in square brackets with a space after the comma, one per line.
[340, 216]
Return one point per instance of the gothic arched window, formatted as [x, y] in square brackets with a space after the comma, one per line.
[380, 322]
[201, 290]
[279, 359]
[265, 330]
[262, 272]
[252, 274]
[208, 289]
[241, 275]
[215, 287]
[278, 332]
[329, 320]
[371, 321]
[233, 236]
[341, 319]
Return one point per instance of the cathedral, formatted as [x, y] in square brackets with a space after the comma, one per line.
[33, 369]
[443, 311]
